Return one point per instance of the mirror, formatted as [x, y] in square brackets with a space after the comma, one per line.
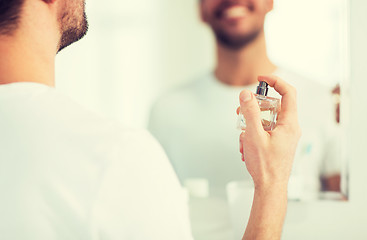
[193, 119]
[306, 41]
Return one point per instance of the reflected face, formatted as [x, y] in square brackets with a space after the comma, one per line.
[73, 22]
[235, 22]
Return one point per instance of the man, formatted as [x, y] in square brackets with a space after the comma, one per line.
[66, 173]
[196, 129]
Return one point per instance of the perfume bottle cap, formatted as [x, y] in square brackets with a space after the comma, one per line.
[262, 89]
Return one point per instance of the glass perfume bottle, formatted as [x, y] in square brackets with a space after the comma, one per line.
[269, 108]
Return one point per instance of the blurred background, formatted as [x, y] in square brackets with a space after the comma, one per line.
[136, 50]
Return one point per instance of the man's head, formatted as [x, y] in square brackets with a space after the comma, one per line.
[235, 23]
[69, 15]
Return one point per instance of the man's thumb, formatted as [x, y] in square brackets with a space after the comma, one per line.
[250, 110]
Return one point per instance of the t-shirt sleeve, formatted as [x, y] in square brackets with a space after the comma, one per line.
[140, 196]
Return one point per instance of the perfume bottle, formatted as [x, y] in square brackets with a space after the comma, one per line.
[268, 106]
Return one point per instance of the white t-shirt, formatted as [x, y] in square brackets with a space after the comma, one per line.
[66, 173]
[196, 124]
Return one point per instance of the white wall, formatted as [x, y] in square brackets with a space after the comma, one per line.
[309, 37]
[114, 70]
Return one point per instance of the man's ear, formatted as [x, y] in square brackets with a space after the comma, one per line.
[269, 5]
[201, 11]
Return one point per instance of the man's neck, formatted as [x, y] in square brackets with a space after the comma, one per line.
[241, 67]
[25, 61]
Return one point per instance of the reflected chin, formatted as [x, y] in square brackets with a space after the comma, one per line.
[235, 42]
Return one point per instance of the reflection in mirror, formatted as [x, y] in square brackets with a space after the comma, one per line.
[305, 43]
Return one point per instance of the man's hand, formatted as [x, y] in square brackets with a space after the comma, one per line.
[269, 157]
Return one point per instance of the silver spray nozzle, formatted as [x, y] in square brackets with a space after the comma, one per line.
[262, 89]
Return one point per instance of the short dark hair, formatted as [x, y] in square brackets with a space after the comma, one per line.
[9, 15]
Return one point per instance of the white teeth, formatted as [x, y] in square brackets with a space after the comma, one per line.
[235, 12]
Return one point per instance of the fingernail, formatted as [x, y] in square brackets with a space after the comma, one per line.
[246, 96]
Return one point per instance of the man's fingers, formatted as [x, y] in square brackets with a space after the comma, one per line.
[289, 97]
[251, 111]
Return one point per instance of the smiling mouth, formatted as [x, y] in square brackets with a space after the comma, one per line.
[234, 12]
